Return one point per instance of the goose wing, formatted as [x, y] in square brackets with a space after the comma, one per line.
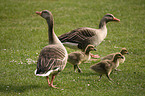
[77, 35]
[50, 58]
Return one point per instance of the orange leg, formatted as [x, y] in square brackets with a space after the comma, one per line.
[51, 84]
[48, 80]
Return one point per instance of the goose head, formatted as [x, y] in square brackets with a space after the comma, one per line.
[107, 18]
[110, 17]
[45, 14]
[124, 51]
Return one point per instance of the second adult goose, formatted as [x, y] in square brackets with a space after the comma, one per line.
[52, 58]
[81, 37]
[110, 56]
[77, 58]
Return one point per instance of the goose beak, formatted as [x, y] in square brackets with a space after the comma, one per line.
[115, 19]
[39, 13]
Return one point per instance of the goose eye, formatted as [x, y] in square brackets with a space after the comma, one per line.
[110, 16]
[45, 12]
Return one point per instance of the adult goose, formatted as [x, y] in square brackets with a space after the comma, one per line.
[110, 56]
[106, 66]
[53, 57]
[76, 58]
[81, 37]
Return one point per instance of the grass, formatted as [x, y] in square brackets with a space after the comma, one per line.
[23, 34]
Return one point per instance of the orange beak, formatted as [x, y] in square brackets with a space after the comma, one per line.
[115, 19]
[39, 13]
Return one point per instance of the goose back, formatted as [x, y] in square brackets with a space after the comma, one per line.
[83, 37]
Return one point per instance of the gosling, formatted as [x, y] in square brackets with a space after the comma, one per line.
[110, 56]
[76, 58]
[106, 66]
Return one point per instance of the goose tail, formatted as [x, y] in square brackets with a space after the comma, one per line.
[46, 74]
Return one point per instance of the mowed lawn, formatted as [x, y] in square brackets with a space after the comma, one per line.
[23, 34]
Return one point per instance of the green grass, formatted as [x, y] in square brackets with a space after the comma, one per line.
[23, 34]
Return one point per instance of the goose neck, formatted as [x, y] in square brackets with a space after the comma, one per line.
[52, 36]
[102, 24]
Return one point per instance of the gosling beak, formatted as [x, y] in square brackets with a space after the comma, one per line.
[39, 13]
[115, 19]
[95, 49]
[122, 57]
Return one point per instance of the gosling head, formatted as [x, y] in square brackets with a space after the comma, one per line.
[90, 48]
[118, 55]
[124, 51]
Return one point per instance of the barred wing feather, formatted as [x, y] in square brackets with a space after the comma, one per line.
[50, 58]
[77, 35]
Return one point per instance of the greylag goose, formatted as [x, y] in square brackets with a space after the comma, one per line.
[106, 66]
[53, 57]
[110, 56]
[81, 37]
[76, 58]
